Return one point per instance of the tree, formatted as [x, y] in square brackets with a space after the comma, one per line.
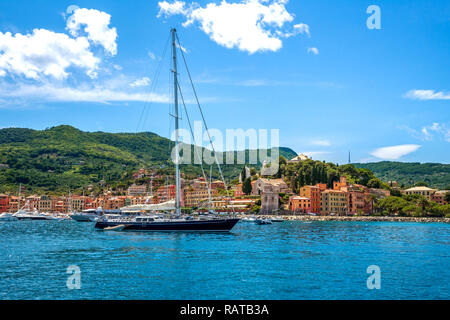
[447, 196]
[374, 183]
[421, 184]
[247, 186]
[409, 210]
[392, 204]
[424, 204]
[244, 173]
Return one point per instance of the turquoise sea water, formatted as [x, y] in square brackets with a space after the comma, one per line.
[290, 260]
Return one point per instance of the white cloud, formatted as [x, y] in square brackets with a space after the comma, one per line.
[96, 25]
[321, 143]
[439, 129]
[302, 28]
[167, 9]
[44, 53]
[84, 93]
[316, 154]
[313, 50]
[143, 82]
[249, 25]
[254, 83]
[394, 152]
[428, 133]
[427, 95]
[151, 55]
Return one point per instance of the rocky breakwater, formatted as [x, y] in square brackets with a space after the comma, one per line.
[354, 218]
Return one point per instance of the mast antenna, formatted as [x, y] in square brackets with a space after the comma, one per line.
[175, 89]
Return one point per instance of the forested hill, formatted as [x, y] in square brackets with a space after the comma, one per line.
[64, 157]
[409, 173]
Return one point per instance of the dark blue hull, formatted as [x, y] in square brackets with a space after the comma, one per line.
[219, 225]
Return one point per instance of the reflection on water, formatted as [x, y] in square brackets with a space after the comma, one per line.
[290, 260]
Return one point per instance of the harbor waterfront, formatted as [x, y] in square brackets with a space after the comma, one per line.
[288, 260]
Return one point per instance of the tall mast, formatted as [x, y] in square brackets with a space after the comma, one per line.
[175, 89]
[18, 199]
[210, 186]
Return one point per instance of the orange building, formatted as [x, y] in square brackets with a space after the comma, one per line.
[197, 193]
[60, 204]
[439, 197]
[312, 193]
[13, 204]
[342, 183]
[217, 185]
[299, 204]
[4, 203]
[238, 190]
[355, 200]
[114, 203]
[166, 193]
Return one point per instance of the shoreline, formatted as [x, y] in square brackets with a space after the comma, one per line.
[352, 218]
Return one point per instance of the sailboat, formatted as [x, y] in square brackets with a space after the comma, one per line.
[179, 222]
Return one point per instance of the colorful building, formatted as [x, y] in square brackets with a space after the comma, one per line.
[422, 191]
[135, 190]
[356, 199]
[333, 202]
[312, 193]
[45, 204]
[439, 197]
[166, 193]
[298, 204]
[277, 185]
[342, 183]
[4, 203]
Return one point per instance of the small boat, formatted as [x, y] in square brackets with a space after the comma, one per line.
[249, 219]
[33, 215]
[115, 228]
[263, 221]
[277, 220]
[7, 217]
[89, 215]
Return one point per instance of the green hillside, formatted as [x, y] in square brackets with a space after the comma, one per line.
[64, 157]
[409, 173]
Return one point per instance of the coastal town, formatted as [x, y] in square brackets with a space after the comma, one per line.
[252, 193]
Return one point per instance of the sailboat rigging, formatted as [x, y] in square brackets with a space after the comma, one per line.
[179, 223]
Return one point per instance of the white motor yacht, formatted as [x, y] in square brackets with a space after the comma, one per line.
[31, 215]
[89, 215]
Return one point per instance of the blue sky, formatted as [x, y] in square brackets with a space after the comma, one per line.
[312, 69]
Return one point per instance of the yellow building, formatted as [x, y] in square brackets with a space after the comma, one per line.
[45, 204]
[422, 191]
[333, 202]
[197, 194]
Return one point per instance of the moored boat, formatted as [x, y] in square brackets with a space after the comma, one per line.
[263, 221]
[31, 215]
[7, 217]
[162, 224]
[178, 222]
[89, 215]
